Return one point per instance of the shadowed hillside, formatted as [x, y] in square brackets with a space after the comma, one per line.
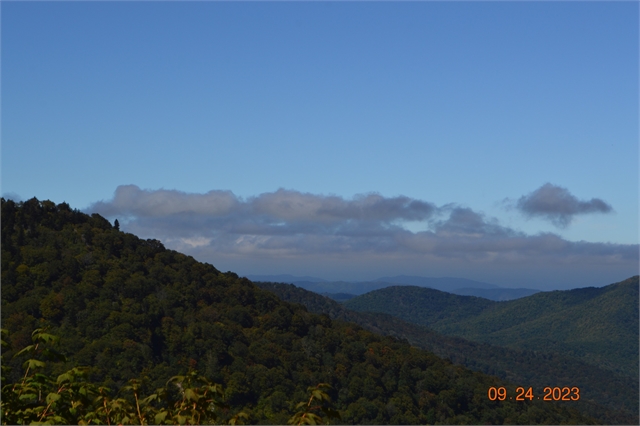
[611, 398]
[596, 325]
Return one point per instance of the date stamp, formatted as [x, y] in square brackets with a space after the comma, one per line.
[549, 394]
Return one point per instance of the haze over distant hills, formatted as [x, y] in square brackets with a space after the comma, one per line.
[284, 278]
[441, 283]
[344, 290]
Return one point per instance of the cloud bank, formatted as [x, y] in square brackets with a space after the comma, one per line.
[558, 205]
[295, 225]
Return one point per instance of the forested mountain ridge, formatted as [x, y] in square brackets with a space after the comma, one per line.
[460, 286]
[130, 308]
[425, 306]
[597, 325]
[611, 398]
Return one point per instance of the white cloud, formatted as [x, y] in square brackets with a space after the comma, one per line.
[306, 228]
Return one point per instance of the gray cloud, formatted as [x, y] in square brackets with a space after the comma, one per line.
[558, 205]
[131, 200]
[309, 229]
[283, 211]
[296, 206]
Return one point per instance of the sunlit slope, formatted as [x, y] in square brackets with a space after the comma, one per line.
[597, 325]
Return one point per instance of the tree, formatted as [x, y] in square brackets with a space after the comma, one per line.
[116, 225]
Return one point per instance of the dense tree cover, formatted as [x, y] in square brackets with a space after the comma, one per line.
[420, 305]
[69, 399]
[596, 325]
[610, 398]
[127, 308]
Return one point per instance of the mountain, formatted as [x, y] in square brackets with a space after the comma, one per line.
[339, 297]
[497, 294]
[285, 278]
[335, 287]
[611, 398]
[129, 308]
[597, 325]
[424, 306]
[460, 286]
[443, 283]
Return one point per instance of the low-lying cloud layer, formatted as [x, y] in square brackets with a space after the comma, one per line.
[558, 205]
[305, 227]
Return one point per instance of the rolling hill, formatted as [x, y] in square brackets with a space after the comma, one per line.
[610, 397]
[460, 286]
[596, 325]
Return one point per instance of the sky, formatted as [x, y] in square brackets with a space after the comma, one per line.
[494, 141]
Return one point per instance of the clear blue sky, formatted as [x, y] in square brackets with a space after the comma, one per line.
[499, 140]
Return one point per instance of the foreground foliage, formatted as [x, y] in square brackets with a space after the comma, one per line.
[190, 399]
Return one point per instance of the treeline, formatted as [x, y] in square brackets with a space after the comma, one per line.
[128, 309]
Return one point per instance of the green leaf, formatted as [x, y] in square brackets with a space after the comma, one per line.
[27, 349]
[44, 337]
[176, 378]
[147, 400]
[159, 418]
[190, 395]
[64, 377]
[27, 396]
[33, 363]
[52, 397]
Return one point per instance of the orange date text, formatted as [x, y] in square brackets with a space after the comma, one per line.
[549, 394]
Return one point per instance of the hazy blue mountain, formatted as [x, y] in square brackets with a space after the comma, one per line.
[333, 287]
[284, 278]
[442, 283]
[497, 294]
[339, 297]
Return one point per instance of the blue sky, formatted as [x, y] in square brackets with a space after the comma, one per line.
[492, 141]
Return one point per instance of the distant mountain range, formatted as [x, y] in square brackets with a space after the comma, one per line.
[611, 397]
[344, 290]
[596, 325]
[284, 278]
[442, 283]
